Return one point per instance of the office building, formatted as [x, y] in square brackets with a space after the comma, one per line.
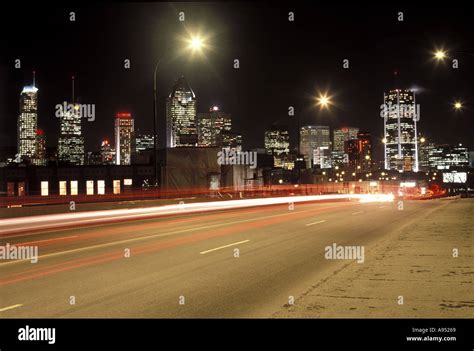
[27, 123]
[181, 116]
[311, 138]
[143, 142]
[400, 115]
[211, 124]
[277, 144]
[124, 127]
[342, 135]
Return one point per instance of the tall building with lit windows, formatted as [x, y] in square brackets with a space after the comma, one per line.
[181, 127]
[123, 138]
[359, 152]
[142, 142]
[342, 135]
[71, 141]
[27, 123]
[312, 138]
[211, 124]
[230, 140]
[425, 150]
[40, 156]
[448, 157]
[277, 143]
[107, 153]
[400, 115]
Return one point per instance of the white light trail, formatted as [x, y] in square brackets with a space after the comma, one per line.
[377, 198]
[15, 225]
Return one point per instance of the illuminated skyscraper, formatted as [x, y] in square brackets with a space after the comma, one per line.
[364, 145]
[230, 140]
[123, 138]
[400, 114]
[449, 156]
[211, 124]
[40, 155]
[359, 152]
[312, 138]
[71, 141]
[425, 149]
[27, 122]
[107, 153]
[277, 143]
[143, 142]
[341, 135]
[322, 157]
[181, 116]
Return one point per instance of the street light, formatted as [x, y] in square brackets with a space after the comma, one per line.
[195, 44]
[440, 55]
[458, 105]
[323, 100]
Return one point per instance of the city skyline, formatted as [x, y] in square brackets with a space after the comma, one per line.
[214, 76]
[399, 112]
[235, 160]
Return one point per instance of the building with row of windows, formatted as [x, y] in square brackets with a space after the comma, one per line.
[124, 127]
[215, 130]
[443, 157]
[28, 122]
[400, 115]
[341, 136]
[71, 141]
[277, 144]
[211, 124]
[31, 141]
[359, 152]
[315, 144]
[72, 180]
[181, 127]
[142, 142]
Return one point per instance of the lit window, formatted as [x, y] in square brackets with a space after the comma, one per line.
[90, 187]
[44, 188]
[73, 187]
[116, 186]
[127, 182]
[62, 187]
[100, 187]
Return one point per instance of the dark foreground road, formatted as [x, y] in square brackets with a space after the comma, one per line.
[236, 263]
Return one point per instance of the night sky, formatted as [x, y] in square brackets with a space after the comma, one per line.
[282, 64]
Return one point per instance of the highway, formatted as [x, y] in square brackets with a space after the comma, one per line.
[241, 262]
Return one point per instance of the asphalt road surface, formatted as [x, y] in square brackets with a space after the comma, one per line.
[234, 263]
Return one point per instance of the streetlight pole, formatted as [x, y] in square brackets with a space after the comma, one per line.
[195, 44]
[155, 161]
